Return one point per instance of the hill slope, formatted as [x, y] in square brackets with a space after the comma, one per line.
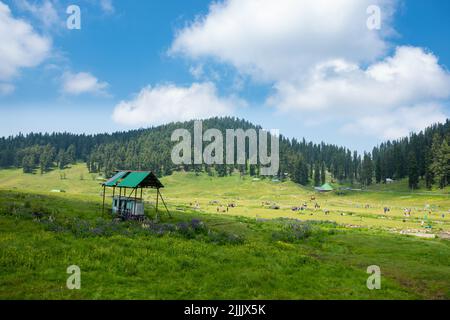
[253, 197]
[422, 156]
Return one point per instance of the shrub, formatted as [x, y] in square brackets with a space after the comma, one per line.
[293, 232]
[16, 210]
[224, 238]
[39, 211]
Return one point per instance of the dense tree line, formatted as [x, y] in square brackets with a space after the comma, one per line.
[421, 156]
[424, 155]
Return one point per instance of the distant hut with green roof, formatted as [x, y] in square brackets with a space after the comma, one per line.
[325, 188]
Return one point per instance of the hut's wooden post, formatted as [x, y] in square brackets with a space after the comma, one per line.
[135, 201]
[157, 198]
[114, 192]
[119, 209]
[164, 203]
[104, 192]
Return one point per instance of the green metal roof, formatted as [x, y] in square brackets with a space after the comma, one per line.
[327, 187]
[114, 180]
[133, 179]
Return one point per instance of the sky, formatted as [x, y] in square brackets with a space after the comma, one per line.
[348, 72]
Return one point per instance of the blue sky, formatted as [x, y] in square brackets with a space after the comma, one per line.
[309, 68]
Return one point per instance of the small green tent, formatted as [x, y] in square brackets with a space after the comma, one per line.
[325, 188]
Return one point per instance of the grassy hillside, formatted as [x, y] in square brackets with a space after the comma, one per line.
[251, 252]
[183, 189]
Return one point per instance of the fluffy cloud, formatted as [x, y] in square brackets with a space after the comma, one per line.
[277, 40]
[323, 62]
[411, 76]
[82, 82]
[20, 45]
[390, 98]
[166, 103]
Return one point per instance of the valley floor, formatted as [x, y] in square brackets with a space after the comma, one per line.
[253, 251]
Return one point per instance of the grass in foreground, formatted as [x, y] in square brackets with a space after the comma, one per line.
[228, 258]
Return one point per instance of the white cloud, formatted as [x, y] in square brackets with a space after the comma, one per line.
[107, 6]
[167, 103]
[394, 90]
[82, 82]
[45, 12]
[277, 40]
[323, 62]
[20, 45]
[409, 77]
[6, 89]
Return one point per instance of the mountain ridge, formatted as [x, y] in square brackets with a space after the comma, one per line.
[303, 161]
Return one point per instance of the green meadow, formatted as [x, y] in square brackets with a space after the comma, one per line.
[259, 249]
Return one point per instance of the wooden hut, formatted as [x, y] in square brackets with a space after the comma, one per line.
[128, 204]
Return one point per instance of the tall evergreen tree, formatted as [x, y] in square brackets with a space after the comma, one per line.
[323, 174]
[301, 175]
[62, 159]
[367, 170]
[316, 174]
[441, 163]
[378, 170]
[413, 171]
